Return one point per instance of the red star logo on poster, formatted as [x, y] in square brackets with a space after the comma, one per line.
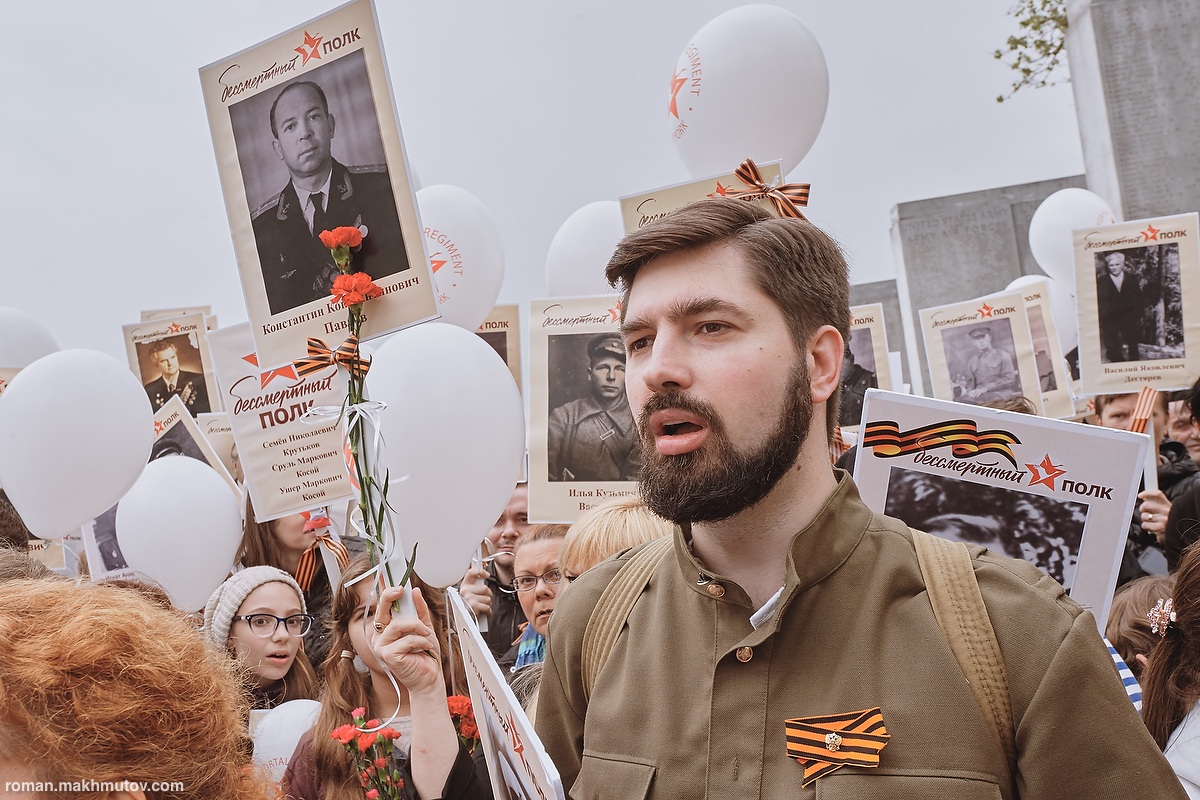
[1151, 232]
[1052, 471]
[676, 84]
[985, 310]
[309, 49]
[174, 328]
[615, 313]
[517, 745]
[158, 427]
[435, 262]
[720, 192]
[287, 371]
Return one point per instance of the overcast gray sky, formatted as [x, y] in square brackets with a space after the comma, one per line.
[112, 201]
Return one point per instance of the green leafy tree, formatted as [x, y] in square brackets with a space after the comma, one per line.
[1037, 54]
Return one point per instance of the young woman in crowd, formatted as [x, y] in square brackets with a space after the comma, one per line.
[1128, 628]
[1171, 679]
[98, 684]
[258, 615]
[606, 529]
[363, 650]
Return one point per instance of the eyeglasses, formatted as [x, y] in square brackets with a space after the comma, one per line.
[265, 625]
[524, 583]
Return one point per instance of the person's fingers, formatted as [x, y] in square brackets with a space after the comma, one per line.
[474, 574]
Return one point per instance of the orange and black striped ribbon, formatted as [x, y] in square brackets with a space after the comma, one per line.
[310, 559]
[1144, 408]
[787, 199]
[960, 435]
[320, 356]
[839, 446]
[828, 742]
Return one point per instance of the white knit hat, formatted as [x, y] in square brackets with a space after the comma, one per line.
[229, 596]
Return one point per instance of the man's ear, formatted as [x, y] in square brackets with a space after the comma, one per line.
[825, 350]
[332, 126]
[278, 148]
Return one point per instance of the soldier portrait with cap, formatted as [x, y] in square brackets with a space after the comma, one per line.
[593, 438]
[321, 194]
[991, 372]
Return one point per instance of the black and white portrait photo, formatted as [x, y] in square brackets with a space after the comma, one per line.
[172, 367]
[591, 434]
[312, 158]
[1046, 532]
[1139, 304]
[858, 375]
[498, 341]
[982, 361]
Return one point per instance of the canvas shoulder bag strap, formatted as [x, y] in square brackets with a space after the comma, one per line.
[960, 613]
[614, 605]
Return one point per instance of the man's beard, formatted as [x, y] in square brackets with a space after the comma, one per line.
[717, 481]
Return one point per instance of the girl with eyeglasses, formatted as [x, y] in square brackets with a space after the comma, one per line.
[260, 616]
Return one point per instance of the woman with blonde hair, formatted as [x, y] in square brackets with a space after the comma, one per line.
[98, 684]
[606, 529]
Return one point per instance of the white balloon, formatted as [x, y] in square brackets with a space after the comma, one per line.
[180, 526]
[1066, 314]
[455, 432]
[752, 83]
[76, 429]
[23, 340]
[581, 249]
[1050, 230]
[1025, 281]
[277, 732]
[465, 252]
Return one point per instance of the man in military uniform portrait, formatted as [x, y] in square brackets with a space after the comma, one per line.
[189, 386]
[321, 194]
[991, 372]
[593, 438]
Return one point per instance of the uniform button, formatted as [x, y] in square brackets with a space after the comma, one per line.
[716, 590]
[744, 654]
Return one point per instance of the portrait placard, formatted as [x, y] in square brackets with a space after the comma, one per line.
[273, 111]
[502, 330]
[583, 444]
[151, 314]
[177, 434]
[1138, 290]
[1054, 380]
[171, 358]
[638, 210]
[980, 351]
[288, 464]
[865, 365]
[216, 429]
[517, 760]
[1055, 493]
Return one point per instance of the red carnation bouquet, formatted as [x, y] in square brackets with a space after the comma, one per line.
[372, 755]
[463, 717]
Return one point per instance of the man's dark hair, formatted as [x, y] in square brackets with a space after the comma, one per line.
[794, 262]
[320, 93]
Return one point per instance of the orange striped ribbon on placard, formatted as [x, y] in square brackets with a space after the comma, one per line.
[320, 356]
[828, 742]
[306, 570]
[1147, 397]
[962, 437]
[787, 199]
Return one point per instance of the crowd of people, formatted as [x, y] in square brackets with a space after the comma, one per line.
[745, 627]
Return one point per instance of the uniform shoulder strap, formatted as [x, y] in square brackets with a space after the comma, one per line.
[614, 605]
[960, 613]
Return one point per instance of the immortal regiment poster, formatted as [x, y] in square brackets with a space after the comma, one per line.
[177, 434]
[583, 447]
[217, 431]
[516, 758]
[638, 210]
[1138, 290]
[1053, 377]
[865, 363]
[172, 359]
[1057, 494]
[288, 464]
[273, 111]
[502, 330]
[210, 319]
[980, 351]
